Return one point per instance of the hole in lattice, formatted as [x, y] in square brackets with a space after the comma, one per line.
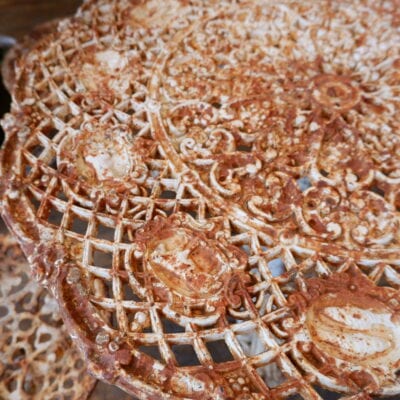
[304, 183]
[171, 327]
[148, 329]
[102, 259]
[244, 148]
[152, 351]
[167, 211]
[127, 235]
[35, 203]
[323, 173]
[397, 373]
[251, 343]
[327, 394]
[24, 280]
[296, 397]
[9, 338]
[53, 163]
[193, 214]
[51, 381]
[51, 319]
[231, 320]
[168, 194]
[12, 385]
[68, 384]
[44, 337]
[149, 191]
[383, 282]
[50, 131]
[61, 195]
[234, 230]
[155, 173]
[68, 117]
[309, 273]
[272, 375]
[105, 232]
[141, 115]
[219, 351]
[55, 217]
[107, 288]
[10, 252]
[128, 293]
[3, 311]
[158, 155]
[28, 169]
[114, 320]
[246, 248]
[18, 355]
[185, 355]
[37, 150]
[135, 130]
[208, 213]
[277, 267]
[32, 386]
[79, 226]
[378, 191]
[25, 324]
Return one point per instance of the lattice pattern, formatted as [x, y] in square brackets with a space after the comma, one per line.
[10, 63]
[37, 360]
[194, 180]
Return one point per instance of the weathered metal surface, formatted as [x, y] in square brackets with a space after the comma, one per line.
[37, 358]
[10, 64]
[193, 176]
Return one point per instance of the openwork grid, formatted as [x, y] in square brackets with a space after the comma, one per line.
[37, 358]
[212, 191]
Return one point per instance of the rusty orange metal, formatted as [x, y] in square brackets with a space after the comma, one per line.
[220, 179]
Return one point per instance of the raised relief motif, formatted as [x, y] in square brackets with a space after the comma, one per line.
[191, 265]
[335, 92]
[187, 263]
[103, 158]
[353, 327]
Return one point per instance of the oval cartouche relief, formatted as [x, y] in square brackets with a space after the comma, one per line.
[187, 261]
[348, 332]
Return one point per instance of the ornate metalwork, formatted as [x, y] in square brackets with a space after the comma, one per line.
[185, 175]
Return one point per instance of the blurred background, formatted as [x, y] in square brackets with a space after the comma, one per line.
[18, 17]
